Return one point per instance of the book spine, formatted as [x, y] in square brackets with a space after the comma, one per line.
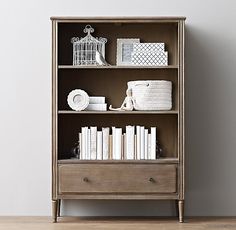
[149, 147]
[135, 147]
[80, 146]
[84, 143]
[113, 142]
[138, 143]
[145, 144]
[99, 145]
[122, 147]
[110, 147]
[93, 142]
[125, 146]
[153, 143]
[130, 142]
[118, 143]
[89, 144]
[105, 143]
[142, 144]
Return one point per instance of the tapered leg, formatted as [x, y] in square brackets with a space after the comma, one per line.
[181, 211]
[54, 210]
[59, 208]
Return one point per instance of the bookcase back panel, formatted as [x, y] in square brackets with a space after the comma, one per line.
[111, 83]
[70, 125]
[147, 32]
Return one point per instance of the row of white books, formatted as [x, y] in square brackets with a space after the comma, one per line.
[137, 143]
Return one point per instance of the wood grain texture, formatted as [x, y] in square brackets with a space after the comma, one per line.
[123, 178]
[127, 223]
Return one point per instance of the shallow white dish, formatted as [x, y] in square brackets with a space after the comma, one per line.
[78, 99]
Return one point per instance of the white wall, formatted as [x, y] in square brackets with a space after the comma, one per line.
[25, 90]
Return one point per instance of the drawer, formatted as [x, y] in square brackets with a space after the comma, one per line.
[117, 178]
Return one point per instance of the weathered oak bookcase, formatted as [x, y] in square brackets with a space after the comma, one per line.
[116, 179]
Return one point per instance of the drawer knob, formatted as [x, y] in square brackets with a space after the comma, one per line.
[85, 179]
[151, 180]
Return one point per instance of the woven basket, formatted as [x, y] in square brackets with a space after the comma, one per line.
[151, 94]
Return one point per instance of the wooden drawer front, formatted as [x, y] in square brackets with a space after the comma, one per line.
[117, 178]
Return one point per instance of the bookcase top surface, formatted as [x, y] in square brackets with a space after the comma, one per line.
[121, 19]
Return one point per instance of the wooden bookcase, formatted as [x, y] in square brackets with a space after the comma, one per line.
[116, 179]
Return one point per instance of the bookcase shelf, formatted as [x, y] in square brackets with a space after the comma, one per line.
[162, 178]
[117, 67]
[117, 112]
[157, 161]
[111, 83]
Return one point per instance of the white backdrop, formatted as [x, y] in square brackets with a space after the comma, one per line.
[25, 102]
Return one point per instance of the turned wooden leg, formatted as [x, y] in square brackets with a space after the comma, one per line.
[59, 208]
[181, 211]
[54, 210]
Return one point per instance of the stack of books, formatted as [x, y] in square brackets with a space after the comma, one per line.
[96, 104]
[137, 143]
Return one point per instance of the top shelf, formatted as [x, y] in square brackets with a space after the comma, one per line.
[116, 67]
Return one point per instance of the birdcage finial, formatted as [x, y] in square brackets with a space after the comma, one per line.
[88, 29]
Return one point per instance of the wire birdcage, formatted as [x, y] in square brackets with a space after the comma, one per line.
[84, 49]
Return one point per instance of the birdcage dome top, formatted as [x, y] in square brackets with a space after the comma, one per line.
[88, 38]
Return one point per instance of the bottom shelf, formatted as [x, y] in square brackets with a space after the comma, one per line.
[157, 161]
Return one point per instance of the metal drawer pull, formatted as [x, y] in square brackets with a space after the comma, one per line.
[85, 179]
[151, 180]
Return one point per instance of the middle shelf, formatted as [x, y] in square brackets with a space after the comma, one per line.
[117, 112]
[112, 84]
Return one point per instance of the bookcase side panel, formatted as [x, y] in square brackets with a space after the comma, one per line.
[181, 111]
[54, 110]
